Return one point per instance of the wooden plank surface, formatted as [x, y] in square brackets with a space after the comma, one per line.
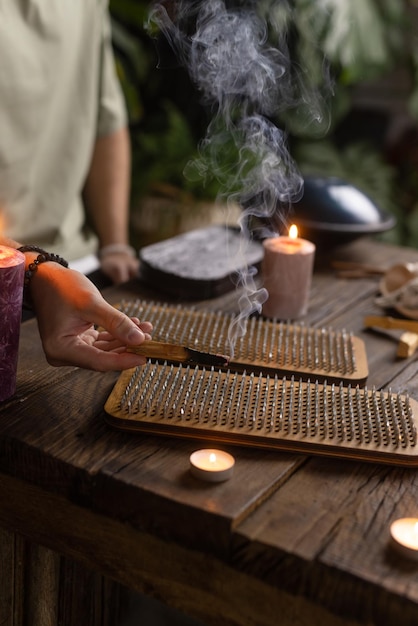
[315, 529]
[38, 587]
[193, 581]
[329, 539]
[69, 449]
[326, 531]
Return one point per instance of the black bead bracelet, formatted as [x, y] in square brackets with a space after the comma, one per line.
[43, 257]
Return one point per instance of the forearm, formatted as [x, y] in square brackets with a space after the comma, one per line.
[107, 188]
[106, 196]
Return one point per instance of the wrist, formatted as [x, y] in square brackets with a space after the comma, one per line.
[35, 256]
[116, 248]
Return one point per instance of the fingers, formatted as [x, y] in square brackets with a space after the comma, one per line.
[93, 358]
[91, 350]
[146, 327]
[68, 308]
[119, 326]
[105, 341]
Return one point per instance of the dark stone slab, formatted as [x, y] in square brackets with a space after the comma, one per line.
[202, 263]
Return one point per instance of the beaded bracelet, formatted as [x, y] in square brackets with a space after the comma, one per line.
[42, 257]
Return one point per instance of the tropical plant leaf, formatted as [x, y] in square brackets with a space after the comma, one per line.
[132, 12]
[353, 35]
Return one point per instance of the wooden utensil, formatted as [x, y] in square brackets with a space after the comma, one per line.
[180, 354]
[385, 321]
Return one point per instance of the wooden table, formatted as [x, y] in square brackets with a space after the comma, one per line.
[290, 539]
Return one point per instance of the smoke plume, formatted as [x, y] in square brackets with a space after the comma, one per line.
[237, 55]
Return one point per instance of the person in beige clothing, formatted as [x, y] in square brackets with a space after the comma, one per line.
[64, 175]
[64, 143]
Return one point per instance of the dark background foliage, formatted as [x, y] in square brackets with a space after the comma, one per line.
[371, 140]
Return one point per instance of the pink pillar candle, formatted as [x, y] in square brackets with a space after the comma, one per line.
[12, 273]
[287, 268]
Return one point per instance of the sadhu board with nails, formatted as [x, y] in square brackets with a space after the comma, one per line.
[287, 387]
[264, 411]
[268, 346]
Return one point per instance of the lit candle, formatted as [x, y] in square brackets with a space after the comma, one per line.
[287, 268]
[404, 534]
[12, 272]
[212, 465]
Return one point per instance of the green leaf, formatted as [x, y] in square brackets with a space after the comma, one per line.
[132, 12]
[360, 36]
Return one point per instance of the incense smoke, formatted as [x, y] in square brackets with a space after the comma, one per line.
[245, 81]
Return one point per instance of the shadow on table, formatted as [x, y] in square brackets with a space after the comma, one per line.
[140, 610]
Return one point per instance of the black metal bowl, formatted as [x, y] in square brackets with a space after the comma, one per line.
[335, 212]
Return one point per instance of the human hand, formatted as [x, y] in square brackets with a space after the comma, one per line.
[119, 266]
[69, 309]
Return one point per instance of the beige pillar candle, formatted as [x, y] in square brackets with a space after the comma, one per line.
[287, 269]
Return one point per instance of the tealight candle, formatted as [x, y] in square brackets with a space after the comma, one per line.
[212, 465]
[12, 272]
[404, 534]
[287, 268]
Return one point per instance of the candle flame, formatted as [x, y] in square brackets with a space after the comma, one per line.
[416, 528]
[293, 231]
[212, 457]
